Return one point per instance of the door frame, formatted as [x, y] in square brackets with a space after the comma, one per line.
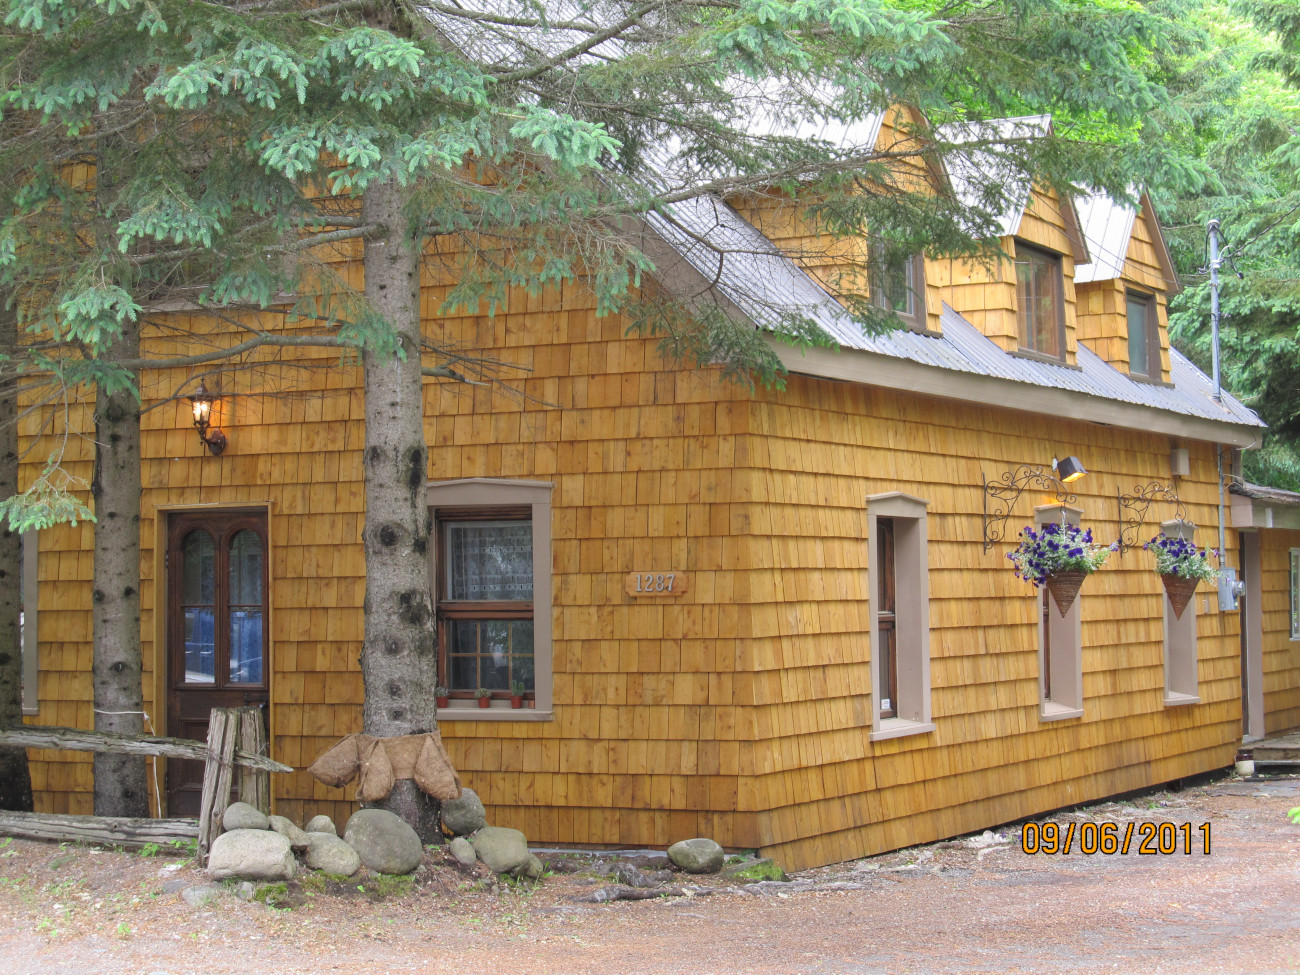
[161, 664]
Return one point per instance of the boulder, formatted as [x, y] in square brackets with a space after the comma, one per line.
[464, 815]
[699, 855]
[463, 851]
[200, 895]
[298, 839]
[240, 815]
[253, 854]
[502, 849]
[383, 841]
[321, 824]
[531, 868]
[332, 855]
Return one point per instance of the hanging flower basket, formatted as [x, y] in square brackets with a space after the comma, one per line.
[1059, 557]
[1064, 587]
[1180, 590]
[1182, 565]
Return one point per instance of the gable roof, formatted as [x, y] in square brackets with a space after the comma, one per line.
[968, 173]
[1108, 229]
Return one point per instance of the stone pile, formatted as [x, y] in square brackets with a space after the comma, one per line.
[504, 851]
[255, 846]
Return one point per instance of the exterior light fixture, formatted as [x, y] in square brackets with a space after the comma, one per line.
[209, 436]
[1068, 470]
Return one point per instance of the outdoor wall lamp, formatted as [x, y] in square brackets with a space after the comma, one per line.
[209, 436]
[1000, 496]
[1068, 470]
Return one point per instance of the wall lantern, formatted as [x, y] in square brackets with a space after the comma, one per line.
[209, 436]
[1068, 470]
[1000, 496]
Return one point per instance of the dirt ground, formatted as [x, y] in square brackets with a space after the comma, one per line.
[979, 904]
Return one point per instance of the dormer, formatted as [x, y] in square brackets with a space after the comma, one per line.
[1025, 303]
[1123, 292]
[898, 282]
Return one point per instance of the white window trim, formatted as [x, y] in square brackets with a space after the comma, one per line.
[911, 584]
[489, 491]
[31, 644]
[1295, 594]
[1182, 684]
[1067, 672]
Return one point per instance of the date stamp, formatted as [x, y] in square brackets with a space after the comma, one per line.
[1145, 839]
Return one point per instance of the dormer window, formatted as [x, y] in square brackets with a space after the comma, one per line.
[898, 285]
[1143, 338]
[1040, 302]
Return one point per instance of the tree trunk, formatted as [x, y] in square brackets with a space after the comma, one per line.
[120, 782]
[15, 779]
[398, 658]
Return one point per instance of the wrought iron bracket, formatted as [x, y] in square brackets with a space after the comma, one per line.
[1000, 497]
[1133, 509]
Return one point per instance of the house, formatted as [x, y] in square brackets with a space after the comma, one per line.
[783, 619]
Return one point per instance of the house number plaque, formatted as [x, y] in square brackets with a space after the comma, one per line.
[657, 583]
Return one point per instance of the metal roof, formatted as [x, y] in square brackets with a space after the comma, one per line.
[737, 260]
[1106, 226]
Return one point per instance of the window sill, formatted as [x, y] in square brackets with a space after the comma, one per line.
[900, 727]
[1051, 711]
[1050, 360]
[504, 712]
[1173, 699]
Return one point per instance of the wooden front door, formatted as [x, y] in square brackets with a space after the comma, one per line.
[216, 630]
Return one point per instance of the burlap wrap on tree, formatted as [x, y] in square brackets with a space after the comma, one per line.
[382, 761]
[1064, 586]
[1180, 590]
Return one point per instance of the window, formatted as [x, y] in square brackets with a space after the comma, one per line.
[1143, 338]
[1060, 639]
[1180, 634]
[898, 284]
[491, 567]
[1039, 302]
[1295, 594]
[898, 564]
[485, 600]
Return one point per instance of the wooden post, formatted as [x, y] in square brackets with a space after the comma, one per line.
[254, 784]
[223, 730]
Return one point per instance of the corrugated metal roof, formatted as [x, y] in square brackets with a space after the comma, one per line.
[1106, 226]
[1259, 492]
[734, 257]
[969, 173]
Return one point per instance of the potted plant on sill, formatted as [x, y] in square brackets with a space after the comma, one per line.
[484, 697]
[1060, 557]
[1182, 565]
[516, 694]
[442, 696]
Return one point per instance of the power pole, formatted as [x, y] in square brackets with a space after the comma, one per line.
[1214, 305]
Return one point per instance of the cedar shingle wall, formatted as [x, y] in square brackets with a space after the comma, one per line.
[1281, 653]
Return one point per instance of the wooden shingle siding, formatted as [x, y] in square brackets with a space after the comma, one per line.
[1281, 653]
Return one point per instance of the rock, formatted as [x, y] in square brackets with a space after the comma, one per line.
[464, 815]
[256, 854]
[383, 841]
[501, 848]
[200, 895]
[321, 824]
[245, 891]
[764, 869]
[175, 885]
[531, 868]
[463, 851]
[699, 855]
[298, 839]
[240, 815]
[333, 855]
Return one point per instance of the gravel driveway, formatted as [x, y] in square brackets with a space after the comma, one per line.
[978, 904]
